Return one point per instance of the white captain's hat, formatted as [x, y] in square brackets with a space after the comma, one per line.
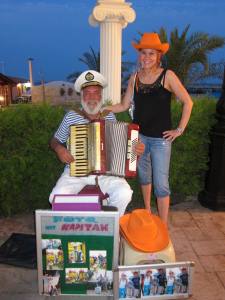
[89, 77]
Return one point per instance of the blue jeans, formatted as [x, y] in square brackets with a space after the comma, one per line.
[169, 289]
[146, 290]
[153, 165]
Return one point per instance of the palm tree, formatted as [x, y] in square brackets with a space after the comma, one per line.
[73, 76]
[92, 61]
[188, 55]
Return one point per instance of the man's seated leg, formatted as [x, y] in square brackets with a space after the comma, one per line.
[67, 184]
[118, 190]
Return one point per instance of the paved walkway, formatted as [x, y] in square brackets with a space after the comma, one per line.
[197, 234]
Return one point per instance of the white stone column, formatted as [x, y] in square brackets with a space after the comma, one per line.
[112, 16]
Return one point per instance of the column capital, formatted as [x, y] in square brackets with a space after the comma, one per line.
[112, 11]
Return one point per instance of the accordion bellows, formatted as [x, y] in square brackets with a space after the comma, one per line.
[104, 147]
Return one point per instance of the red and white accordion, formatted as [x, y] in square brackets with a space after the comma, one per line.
[104, 147]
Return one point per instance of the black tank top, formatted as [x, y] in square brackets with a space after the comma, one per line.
[152, 107]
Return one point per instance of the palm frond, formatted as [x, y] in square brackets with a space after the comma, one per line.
[163, 35]
[91, 60]
[187, 52]
[73, 76]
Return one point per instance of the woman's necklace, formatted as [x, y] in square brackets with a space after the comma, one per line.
[149, 77]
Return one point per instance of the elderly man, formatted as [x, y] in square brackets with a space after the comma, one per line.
[90, 84]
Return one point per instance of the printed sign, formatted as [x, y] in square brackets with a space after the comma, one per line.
[77, 252]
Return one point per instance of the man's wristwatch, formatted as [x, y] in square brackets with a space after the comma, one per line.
[180, 130]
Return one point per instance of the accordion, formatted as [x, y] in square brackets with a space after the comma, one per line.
[103, 147]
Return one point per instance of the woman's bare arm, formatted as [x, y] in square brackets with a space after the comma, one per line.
[175, 86]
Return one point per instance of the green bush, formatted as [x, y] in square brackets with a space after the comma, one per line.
[189, 159]
[29, 169]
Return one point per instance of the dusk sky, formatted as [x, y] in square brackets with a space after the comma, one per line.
[55, 33]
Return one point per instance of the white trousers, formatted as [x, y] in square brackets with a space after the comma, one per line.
[117, 188]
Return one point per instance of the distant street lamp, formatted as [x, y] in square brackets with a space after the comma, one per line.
[30, 70]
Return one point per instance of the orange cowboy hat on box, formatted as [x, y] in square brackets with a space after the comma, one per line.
[151, 41]
[144, 231]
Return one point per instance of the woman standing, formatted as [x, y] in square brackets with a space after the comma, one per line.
[150, 90]
[147, 283]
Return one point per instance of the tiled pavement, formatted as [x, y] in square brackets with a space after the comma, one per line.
[197, 233]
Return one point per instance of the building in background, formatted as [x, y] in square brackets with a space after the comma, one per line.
[55, 92]
[13, 90]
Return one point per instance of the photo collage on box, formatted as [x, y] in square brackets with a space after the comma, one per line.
[94, 274]
[54, 261]
[153, 282]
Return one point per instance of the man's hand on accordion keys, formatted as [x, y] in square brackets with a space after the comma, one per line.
[63, 154]
[139, 148]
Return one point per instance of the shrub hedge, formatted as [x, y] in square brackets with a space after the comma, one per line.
[29, 169]
[189, 159]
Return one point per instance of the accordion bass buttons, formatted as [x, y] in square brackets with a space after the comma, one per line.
[132, 153]
[128, 149]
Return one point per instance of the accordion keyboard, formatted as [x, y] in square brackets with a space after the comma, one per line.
[79, 150]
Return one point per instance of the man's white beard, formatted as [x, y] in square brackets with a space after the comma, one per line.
[89, 110]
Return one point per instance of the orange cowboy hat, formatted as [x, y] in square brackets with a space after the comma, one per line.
[151, 41]
[144, 231]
